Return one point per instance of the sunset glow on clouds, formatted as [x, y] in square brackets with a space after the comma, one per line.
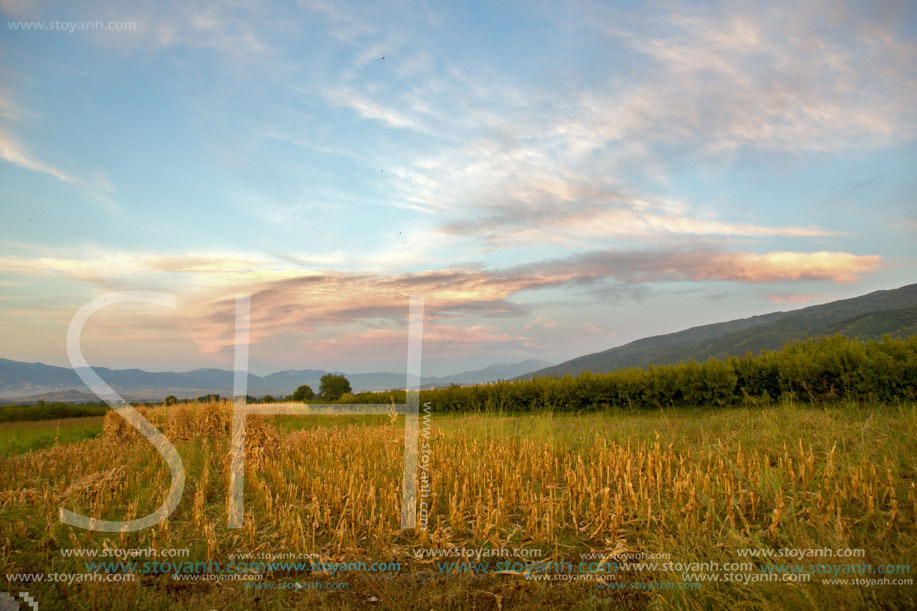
[553, 181]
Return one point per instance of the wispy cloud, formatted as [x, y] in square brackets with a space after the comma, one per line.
[98, 188]
[607, 216]
[210, 269]
[12, 151]
[368, 108]
[9, 109]
[706, 263]
[808, 77]
[540, 322]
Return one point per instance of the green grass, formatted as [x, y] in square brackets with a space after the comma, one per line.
[22, 437]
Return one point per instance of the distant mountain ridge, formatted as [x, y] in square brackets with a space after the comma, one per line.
[20, 380]
[869, 316]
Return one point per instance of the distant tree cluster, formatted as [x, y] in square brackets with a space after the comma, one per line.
[303, 393]
[333, 387]
[210, 398]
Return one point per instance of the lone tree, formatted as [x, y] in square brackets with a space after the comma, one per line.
[171, 400]
[333, 386]
[303, 393]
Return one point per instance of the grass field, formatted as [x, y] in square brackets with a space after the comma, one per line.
[21, 437]
[607, 493]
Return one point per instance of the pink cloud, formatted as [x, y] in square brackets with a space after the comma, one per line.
[777, 266]
[540, 322]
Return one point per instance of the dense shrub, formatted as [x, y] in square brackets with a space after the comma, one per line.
[50, 411]
[810, 371]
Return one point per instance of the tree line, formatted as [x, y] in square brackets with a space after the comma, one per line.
[331, 388]
[814, 371]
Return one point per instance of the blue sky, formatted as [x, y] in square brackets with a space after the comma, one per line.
[555, 180]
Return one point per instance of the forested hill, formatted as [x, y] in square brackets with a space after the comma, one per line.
[869, 316]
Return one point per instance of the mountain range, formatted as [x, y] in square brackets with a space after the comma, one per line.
[869, 316]
[33, 381]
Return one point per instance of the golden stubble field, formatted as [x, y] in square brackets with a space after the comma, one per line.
[696, 485]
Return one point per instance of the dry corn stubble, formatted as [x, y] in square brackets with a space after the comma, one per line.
[335, 491]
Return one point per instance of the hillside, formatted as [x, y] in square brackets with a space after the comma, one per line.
[872, 325]
[867, 317]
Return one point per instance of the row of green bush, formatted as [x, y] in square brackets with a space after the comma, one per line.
[810, 371]
[50, 411]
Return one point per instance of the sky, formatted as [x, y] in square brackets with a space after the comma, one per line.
[554, 178]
